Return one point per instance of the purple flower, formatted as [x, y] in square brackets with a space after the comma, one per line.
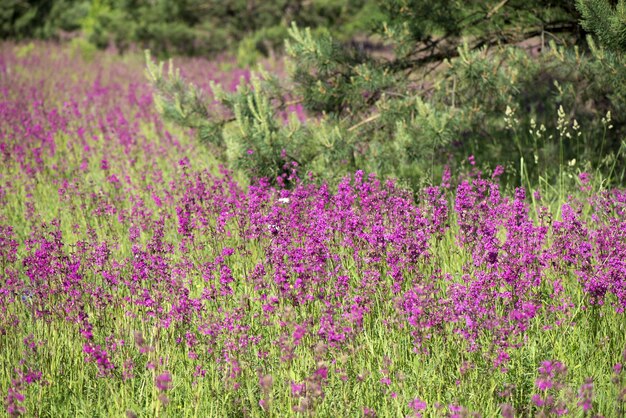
[585, 395]
[163, 381]
[297, 389]
[322, 373]
[417, 405]
[584, 178]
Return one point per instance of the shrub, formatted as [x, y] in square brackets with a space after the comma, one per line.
[457, 79]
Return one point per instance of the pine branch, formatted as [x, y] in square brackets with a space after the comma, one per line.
[364, 122]
[496, 8]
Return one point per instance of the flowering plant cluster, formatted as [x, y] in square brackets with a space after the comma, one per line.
[137, 277]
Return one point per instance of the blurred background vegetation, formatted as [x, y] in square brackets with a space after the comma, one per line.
[189, 27]
[401, 87]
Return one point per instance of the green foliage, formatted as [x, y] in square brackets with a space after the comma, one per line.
[425, 30]
[82, 47]
[263, 42]
[22, 19]
[190, 27]
[606, 21]
[502, 80]
[254, 138]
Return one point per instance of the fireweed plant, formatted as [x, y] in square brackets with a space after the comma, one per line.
[138, 279]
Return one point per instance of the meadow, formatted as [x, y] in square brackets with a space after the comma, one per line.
[140, 278]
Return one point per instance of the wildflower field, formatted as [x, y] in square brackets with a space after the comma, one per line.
[140, 279]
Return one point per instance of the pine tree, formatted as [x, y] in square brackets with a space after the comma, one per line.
[605, 21]
[456, 80]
